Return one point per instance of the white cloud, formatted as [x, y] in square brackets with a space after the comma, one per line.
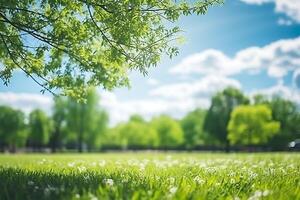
[291, 8]
[26, 101]
[153, 82]
[277, 58]
[279, 90]
[277, 72]
[296, 79]
[120, 111]
[203, 88]
[257, 2]
[173, 99]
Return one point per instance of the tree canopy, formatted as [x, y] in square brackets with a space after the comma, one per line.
[252, 124]
[85, 120]
[287, 113]
[40, 128]
[218, 115]
[12, 126]
[169, 131]
[192, 125]
[68, 45]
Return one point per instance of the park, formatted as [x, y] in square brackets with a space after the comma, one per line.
[150, 99]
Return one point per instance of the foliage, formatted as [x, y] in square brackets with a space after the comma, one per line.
[135, 133]
[86, 120]
[287, 113]
[72, 44]
[39, 128]
[192, 126]
[169, 131]
[218, 115]
[150, 176]
[252, 125]
[58, 134]
[12, 126]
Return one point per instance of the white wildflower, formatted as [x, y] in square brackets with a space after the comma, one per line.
[173, 190]
[266, 193]
[81, 168]
[102, 163]
[46, 191]
[71, 164]
[92, 197]
[172, 180]
[30, 183]
[109, 182]
[198, 180]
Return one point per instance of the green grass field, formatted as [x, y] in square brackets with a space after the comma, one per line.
[150, 176]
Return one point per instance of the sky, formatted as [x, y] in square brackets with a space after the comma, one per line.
[253, 45]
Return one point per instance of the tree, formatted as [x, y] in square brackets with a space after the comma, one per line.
[12, 128]
[39, 128]
[71, 44]
[192, 125]
[169, 131]
[58, 133]
[136, 133]
[86, 120]
[287, 113]
[250, 125]
[218, 115]
[140, 133]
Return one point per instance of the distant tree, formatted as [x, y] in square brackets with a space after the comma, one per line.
[86, 120]
[99, 126]
[12, 128]
[112, 138]
[260, 99]
[250, 125]
[218, 115]
[136, 133]
[192, 125]
[169, 131]
[287, 113]
[39, 128]
[72, 44]
[137, 118]
[58, 133]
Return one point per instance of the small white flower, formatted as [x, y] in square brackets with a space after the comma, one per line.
[258, 193]
[30, 183]
[102, 163]
[46, 191]
[198, 180]
[266, 193]
[109, 182]
[82, 168]
[77, 196]
[173, 190]
[92, 197]
[172, 180]
[71, 164]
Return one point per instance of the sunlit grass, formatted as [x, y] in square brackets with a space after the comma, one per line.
[150, 176]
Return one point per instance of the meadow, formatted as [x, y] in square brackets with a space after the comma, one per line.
[152, 175]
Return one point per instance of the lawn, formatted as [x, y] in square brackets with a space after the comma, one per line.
[150, 176]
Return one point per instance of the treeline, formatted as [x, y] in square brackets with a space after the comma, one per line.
[233, 120]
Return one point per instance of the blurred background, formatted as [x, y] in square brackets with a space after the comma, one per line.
[234, 86]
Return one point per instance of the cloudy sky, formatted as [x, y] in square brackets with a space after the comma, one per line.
[253, 45]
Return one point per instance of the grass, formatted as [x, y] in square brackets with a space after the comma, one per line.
[150, 176]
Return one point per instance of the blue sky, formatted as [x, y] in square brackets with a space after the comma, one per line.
[250, 44]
